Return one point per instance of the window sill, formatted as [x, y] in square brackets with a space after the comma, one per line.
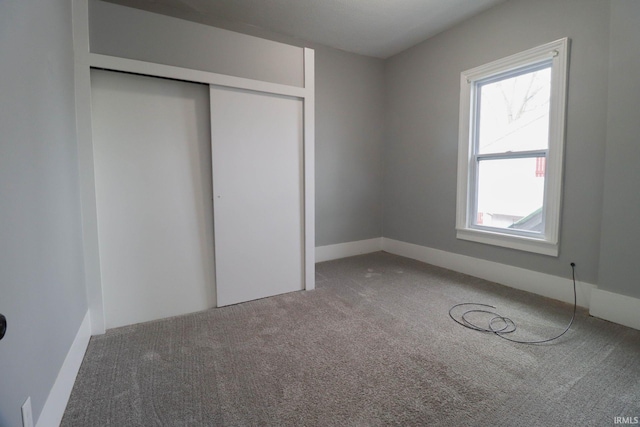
[521, 243]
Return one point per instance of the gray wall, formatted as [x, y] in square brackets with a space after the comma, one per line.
[620, 243]
[422, 115]
[130, 33]
[349, 111]
[349, 145]
[42, 289]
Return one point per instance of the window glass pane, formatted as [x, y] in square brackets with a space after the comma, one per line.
[514, 112]
[511, 193]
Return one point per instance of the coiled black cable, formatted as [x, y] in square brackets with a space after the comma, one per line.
[507, 325]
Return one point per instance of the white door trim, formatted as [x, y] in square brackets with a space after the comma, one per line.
[115, 63]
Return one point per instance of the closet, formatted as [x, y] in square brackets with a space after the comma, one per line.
[196, 164]
[200, 195]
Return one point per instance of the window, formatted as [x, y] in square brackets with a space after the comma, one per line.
[511, 143]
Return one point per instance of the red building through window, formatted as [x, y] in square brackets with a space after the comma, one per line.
[540, 166]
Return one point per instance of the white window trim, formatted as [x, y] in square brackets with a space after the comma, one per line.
[546, 243]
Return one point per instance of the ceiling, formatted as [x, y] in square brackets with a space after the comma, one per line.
[379, 28]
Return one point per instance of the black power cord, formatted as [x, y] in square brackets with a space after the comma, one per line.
[3, 325]
[506, 325]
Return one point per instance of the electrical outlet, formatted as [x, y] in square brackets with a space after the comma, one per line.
[27, 415]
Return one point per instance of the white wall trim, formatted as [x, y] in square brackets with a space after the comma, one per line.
[615, 308]
[309, 170]
[82, 82]
[555, 287]
[115, 63]
[343, 250]
[58, 398]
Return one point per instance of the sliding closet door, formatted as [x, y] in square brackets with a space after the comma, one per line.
[152, 155]
[257, 151]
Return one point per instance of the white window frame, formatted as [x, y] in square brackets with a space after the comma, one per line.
[546, 242]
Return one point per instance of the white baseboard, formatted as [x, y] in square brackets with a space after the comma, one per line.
[56, 403]
[527, 280]
[343, 250]
[603, 304]
[615, 308]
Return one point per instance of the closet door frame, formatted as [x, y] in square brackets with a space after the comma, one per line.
[86, 60]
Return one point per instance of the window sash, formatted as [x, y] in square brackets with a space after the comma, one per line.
[473, 206]
[511, 155]
[477, 85]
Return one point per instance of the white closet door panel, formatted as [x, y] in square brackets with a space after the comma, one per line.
[154, 198]
[257, 149]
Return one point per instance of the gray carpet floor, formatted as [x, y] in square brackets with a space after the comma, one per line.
[372, 345]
